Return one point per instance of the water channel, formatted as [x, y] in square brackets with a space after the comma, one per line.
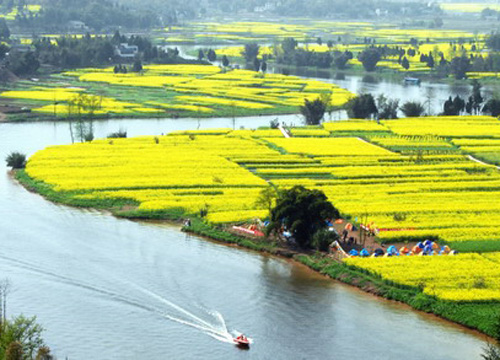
[108, 288]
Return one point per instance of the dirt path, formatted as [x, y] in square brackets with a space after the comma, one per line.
[368, 242]
[481, 162]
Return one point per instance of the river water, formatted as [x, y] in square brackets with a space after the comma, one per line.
[108, 288]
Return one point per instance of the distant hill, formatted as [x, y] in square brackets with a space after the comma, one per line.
[352, 9]
[88, 14]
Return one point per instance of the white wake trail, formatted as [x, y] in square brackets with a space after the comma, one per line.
[217, 331]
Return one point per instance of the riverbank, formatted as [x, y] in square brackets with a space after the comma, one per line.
[482, 316]
[33, 117]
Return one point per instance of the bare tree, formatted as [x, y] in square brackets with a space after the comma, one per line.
[5, 290]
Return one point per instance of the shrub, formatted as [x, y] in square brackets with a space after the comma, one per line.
[118, 134]
[399, 216]
[479, 283]
[412, 109]
[16, 160]
[313, 111]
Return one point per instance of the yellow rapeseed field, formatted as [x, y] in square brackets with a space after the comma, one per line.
[417, 183]
[220, 90]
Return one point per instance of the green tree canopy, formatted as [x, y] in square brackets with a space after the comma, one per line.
[251, 51]
[21, 331]
[302, 212]
[405, 63]
[361, 107]
[4, 29]
[369, 58]
[493, 41]
[313, 111]
[492, 107]
[459, 67]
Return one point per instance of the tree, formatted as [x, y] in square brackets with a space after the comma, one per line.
[267, 198]
[289, 44]
[23, 63]
[256, 64]
[16, 160]
[263, 66]
[493, 41]
[412, 109]
[469, 106]
[458, 104]
[250, 52]
[492, 107]
[369, 58]
[24, 331]
[137, 67]
[405, 63]
[477, 98]
[387, 108]
[453, 106]
[313, 111]
[5, 288]
[491, 352]
[4, 29]
[201, 55]
[340, 60]
[211, 55]
[302, 212]
[437, 22]
[225, 61]
[361, 107]
[430, 61]
[459, 67]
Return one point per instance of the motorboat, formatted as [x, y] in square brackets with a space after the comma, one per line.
[242, 341]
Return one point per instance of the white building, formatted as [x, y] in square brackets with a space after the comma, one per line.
[126, 51]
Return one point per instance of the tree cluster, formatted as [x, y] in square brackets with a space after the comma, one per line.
[303, 213]
[89, 51]
[354, 9]
[98, 15]
[290, 54]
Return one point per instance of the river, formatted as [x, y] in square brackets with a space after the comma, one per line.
[431, 94]
[108, 288]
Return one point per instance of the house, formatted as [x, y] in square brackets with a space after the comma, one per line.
[76, 25]
[125, 50]
[267, 7]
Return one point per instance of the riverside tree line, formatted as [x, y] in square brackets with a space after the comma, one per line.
[365, 106]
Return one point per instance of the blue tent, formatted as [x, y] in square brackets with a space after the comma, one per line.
[392, 251]
[427, 243]
[364, 253]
